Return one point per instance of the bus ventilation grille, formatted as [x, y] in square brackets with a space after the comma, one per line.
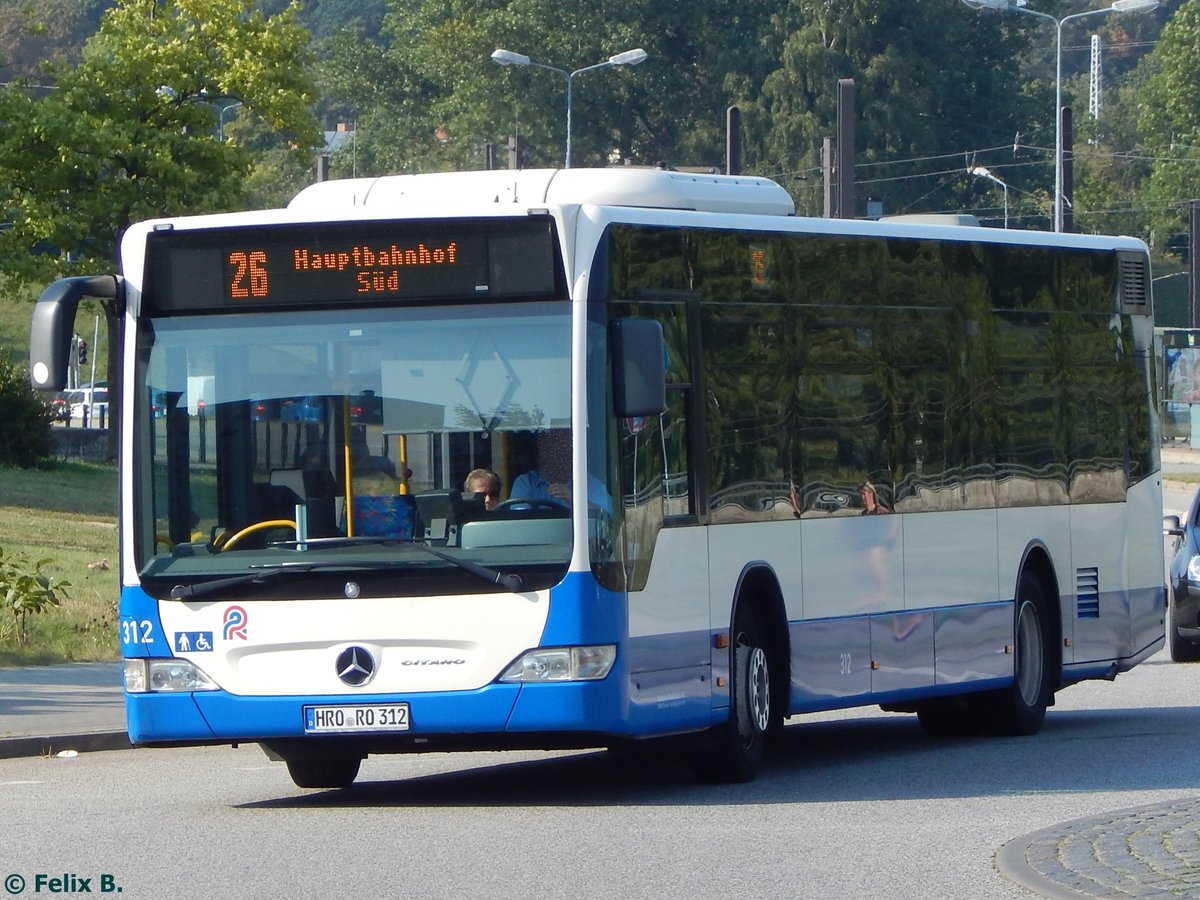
[1087, 593]
[1135, 293]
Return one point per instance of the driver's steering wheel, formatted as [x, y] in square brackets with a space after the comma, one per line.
[532, 504]
[225, 540]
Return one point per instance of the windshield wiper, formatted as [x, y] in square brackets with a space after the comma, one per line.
[508, 581]
[262, 574]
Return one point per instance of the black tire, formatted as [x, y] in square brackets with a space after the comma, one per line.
[1182, 650]
[1021, 708]
[324, 772]
[735, 750]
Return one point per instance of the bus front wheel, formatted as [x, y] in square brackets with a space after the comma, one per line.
[734, 752]
[324, 772]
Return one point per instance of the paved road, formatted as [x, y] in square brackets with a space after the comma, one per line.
[45, 709]
[1126, 833]
[853, 804]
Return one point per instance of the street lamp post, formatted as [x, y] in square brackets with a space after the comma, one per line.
[166, 92]
[628, 58]
[982, 172]
[1019, 6]
[221, 118]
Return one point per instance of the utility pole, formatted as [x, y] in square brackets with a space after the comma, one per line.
[1096, 86]
[829, 176]
[1068, 170]
[733, 141]
[1193, 256]
[845, 149]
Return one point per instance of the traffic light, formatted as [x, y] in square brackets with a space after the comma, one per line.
[82, 351]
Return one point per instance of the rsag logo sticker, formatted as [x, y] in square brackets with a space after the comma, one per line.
[235, 623]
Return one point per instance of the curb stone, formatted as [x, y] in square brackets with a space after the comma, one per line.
[48, 745]
[1146, 851]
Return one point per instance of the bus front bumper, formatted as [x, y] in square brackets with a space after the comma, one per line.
[496, 715]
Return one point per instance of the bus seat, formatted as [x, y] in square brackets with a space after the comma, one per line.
[392, 516]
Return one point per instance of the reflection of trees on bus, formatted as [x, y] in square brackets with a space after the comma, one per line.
[952, 375]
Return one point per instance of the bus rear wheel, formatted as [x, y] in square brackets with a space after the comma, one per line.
[735, 751]
[324, 772]
[1020, 708]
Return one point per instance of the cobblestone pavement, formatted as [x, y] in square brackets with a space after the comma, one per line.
[1145, 852]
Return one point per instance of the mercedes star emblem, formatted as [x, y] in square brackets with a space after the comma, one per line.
[355, 666]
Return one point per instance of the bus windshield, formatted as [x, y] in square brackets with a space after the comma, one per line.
[350, 441]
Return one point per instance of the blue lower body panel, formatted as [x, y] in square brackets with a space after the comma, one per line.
[502, 709]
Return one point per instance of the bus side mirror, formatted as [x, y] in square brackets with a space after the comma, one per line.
[54, 324]
[639, 367]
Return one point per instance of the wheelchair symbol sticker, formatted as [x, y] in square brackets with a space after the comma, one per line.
[193, 641]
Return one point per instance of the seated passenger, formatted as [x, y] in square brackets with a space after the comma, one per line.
[551, 479]
[872, 505]
[375, 476]
[485, 482]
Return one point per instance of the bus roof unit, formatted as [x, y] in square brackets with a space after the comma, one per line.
[645, 188]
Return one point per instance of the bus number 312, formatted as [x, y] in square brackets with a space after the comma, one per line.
[250, 274]
[137, 631]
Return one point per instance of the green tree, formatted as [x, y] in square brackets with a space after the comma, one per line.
[428, 97]
[132, 131]
[1170, 121]
[366, 83]
[1110, 166]
[931, 78]
[47, 29]
[25, 439]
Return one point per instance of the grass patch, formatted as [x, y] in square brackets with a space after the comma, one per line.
[67, 512]
[1182, 477]
[16, 313]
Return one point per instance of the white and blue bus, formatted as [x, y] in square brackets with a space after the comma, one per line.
[749, 465]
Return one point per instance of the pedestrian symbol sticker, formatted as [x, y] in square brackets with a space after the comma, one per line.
[193, 641]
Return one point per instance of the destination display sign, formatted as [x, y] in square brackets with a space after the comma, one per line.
[338, 263]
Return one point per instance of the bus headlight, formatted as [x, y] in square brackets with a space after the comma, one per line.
[165, 676]
[563, 664]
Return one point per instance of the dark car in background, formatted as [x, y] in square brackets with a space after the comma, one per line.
[1183, 579]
